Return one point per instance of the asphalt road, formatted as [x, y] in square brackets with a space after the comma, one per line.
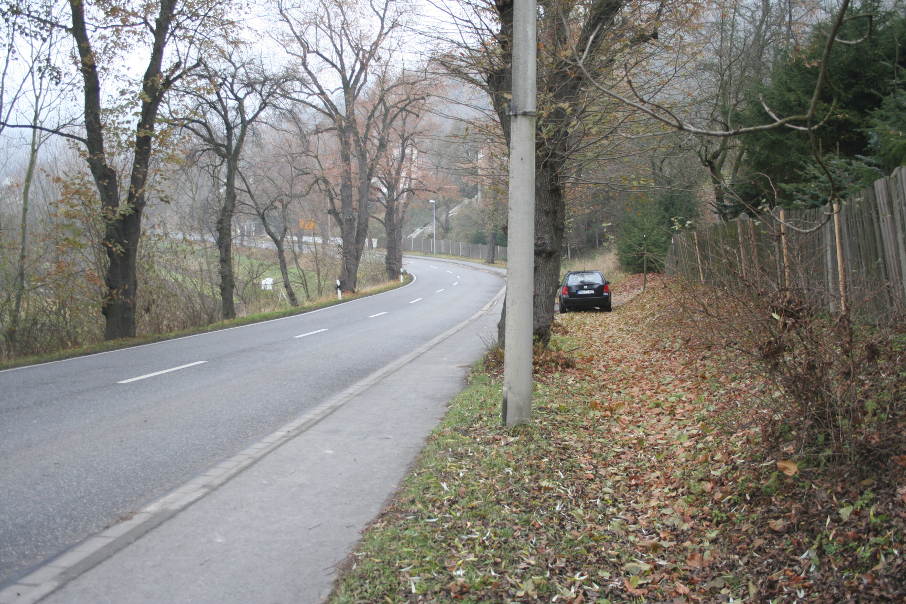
[86, 442]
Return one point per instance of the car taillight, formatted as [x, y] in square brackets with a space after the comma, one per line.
[564, 291]
[606, 288]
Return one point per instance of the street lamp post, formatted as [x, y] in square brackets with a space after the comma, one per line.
[433, 224]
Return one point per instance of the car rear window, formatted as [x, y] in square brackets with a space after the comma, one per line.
[577, 278]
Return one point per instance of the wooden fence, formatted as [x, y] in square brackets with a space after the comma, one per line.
[855, 258]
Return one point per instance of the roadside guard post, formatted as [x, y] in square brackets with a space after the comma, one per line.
[339, 291]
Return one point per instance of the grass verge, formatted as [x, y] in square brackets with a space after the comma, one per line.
[635, 482]
[238, 321]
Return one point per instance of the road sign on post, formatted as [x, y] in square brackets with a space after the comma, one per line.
[517, 366]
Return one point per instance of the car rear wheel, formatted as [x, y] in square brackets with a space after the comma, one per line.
[563, 309]
[606, 307]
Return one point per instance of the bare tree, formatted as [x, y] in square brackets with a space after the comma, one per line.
[231, 95]
[342, 53]
[44, 91]
[276, 183]
[398, 172]
[735, 47]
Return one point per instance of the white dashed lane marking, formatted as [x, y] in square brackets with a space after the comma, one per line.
[311, 333]
[440, 290]
[156, 373]
[377, 315]
[414, 301]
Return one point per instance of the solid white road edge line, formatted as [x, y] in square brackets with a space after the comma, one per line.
[377, 315]
[156, 373]
[49, 577]
[310, 333]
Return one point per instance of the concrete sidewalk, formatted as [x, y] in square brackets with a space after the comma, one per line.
[272, 524]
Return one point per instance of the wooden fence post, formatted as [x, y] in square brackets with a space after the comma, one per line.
[841, 261]
[784, 251]
[698, 258]
[756, 263]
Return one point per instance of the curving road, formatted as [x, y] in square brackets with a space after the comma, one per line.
[86, 442]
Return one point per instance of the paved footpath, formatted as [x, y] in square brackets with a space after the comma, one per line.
[272, 524]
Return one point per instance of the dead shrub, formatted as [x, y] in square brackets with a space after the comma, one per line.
[837, 388]
[547, 359]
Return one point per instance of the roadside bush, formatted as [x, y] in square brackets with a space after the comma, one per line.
[846, 382]
[839, 388]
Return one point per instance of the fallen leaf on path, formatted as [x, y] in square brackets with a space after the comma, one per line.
[778, 525]
[788, 467]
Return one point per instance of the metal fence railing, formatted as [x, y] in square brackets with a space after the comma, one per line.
[453, 248]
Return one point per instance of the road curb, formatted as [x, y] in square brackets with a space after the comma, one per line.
[89, 553]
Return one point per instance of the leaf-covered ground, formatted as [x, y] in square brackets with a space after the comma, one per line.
[639, 480]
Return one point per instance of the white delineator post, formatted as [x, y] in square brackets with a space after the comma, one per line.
[517, 371]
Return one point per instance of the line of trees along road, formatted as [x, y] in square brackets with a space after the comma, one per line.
[202, 131]
[202, 102]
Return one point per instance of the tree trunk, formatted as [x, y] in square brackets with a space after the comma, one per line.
[284, 272]
[549, 227]
[717, 185]
[393, 261]
[550, 223]
[491, 228]
[281, 255]
[350, 261]
[491, 253]
[364, 190]
[225, 243]
[314, 247]
[347, 217]
[121, 237]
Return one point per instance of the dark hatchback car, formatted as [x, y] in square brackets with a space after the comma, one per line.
[584, 289]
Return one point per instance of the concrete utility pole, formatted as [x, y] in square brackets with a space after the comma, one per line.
[517, 370]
